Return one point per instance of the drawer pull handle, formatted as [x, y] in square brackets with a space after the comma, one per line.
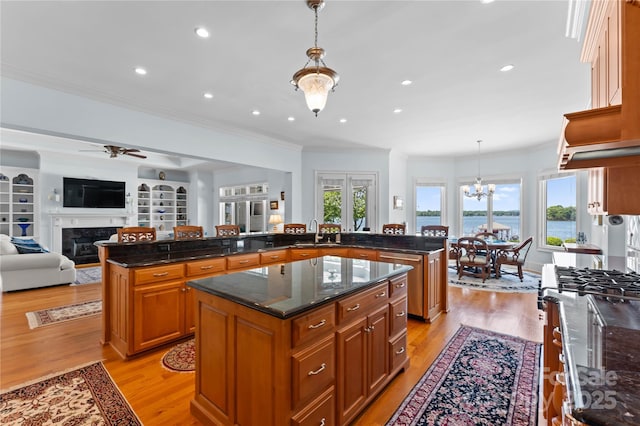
[274, 257]
[406, 259]
[400, 314]
[379, 295]
[160, 274]
[304, 254]
[364, 256]
[318, 325]
[369, 329]
[400, 351]
[402, 284]
[322, 421]
[204, 268]
[318, 371]
[354, 308]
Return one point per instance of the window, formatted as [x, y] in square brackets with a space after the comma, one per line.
[499, 213]
[348, 199]
[430, 204]
[558, 215]
[245, 206]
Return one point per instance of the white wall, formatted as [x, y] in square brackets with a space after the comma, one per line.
[397, 187]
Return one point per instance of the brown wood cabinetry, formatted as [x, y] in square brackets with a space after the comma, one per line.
[243, 261]
[319, 367]
[303, 253]
[436, 274]
[206, 267]
[364, 254]
[609, 190]
[274, 256]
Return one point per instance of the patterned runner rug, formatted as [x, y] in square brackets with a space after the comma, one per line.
[181, 358]
[63, 313]
[480, 378]
[82, 396]
[506, 283]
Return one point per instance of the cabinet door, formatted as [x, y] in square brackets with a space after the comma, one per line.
[434, 288]
[352, 369]
[159, 313]
[377, 331]
[189, 310]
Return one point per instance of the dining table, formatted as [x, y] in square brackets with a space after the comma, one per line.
[493, 245]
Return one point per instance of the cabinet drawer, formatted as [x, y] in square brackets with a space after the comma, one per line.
[239, 261]
[313, 325]
[398, 287]
[301, 254]
[398, 348]
[158, 273]
[273, 257]
[364, 254]
[319, 412]
[335, 251]
[398, 316]
[355, 306]
[208, 266]
[313, 370]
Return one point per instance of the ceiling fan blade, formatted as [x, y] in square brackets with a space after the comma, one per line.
[135, 155]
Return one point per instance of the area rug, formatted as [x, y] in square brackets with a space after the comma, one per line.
[506, 283]
[63, 313]
[181, 358]
[82, 396]
[480, 378]
[88, 275]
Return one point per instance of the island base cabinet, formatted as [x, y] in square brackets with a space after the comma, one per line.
[320, 412]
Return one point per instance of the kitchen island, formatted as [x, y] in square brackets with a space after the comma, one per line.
[305, 342]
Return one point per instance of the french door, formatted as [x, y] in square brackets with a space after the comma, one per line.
[349, 199]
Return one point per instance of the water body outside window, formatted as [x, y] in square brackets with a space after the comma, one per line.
[559, 194]
[429, 202]
[499, 213]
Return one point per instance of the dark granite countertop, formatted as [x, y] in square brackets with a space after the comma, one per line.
[285, 290]
[601, 350]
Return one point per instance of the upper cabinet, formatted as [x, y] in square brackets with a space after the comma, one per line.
[162, 204]
[609, 134]
[18, 202]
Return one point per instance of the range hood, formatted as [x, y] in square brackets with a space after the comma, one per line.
[607, 136]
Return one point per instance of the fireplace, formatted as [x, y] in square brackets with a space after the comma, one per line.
[77, 243]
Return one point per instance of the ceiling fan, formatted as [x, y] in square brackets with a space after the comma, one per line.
[114, 151]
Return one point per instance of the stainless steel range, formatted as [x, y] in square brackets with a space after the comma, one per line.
[613, 311]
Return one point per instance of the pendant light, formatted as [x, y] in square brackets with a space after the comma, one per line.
[317, 80]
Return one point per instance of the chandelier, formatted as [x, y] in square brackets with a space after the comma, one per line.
[316, 80]
[479, 191]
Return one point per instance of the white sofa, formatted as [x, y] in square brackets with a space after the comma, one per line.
[32, 270]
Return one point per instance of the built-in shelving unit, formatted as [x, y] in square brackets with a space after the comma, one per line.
[18, 202]
[162, 205]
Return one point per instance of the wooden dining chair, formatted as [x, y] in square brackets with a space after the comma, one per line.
[394, 228]
[434, 231]
[329, 228]
[136, 233]
[227, 230]
[187, 232]
[295, 228]
[513, 256]
[473, 258]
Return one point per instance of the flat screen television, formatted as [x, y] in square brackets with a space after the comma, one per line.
[92, 193]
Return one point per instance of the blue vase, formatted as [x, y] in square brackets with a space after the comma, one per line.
[24, 227]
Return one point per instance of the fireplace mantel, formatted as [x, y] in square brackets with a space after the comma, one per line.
[81, 220]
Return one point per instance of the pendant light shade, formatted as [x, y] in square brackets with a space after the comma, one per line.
[317, 80]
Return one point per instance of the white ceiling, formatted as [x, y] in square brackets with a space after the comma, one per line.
[451, 50]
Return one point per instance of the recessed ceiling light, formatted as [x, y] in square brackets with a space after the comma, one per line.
[406, 82]
[202, 32]
[255, 112]
[291, 118]
[507, 68]
[343, 120]
[208, 95]
[141, 71]
[397, 110]
[486, 1]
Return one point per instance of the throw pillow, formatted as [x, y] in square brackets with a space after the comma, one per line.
[7, 248]
[28, 245]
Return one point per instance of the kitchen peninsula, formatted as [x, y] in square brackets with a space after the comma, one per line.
[305, 342]
[146, 302]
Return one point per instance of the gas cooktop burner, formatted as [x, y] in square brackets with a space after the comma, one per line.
[609, 285]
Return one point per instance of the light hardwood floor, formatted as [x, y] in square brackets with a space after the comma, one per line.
[160, 397]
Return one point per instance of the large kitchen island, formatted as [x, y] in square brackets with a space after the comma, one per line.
[300, 343]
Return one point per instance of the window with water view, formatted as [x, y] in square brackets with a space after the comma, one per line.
[429, 202]
[499, 213]
[559, 195]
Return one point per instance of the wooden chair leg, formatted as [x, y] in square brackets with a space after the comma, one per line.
[520, 272]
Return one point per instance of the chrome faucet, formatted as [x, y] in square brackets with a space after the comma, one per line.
[317, 236]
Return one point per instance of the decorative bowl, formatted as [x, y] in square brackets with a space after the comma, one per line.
[161, 210]
[22, 200]
[23, 219]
